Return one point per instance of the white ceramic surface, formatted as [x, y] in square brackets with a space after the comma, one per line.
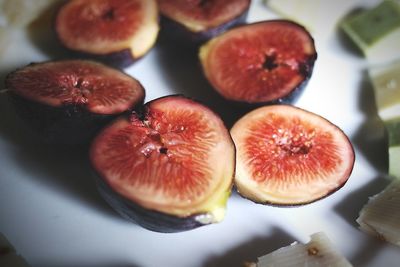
[50, 209]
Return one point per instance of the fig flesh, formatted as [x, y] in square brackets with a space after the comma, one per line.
[194, 22]
[68, 101]
[158, 167]
[289, 156]
[260, 63]
[117, 32]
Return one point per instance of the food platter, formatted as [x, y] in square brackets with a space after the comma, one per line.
[52, 213]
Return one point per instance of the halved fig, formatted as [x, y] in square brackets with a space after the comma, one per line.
[68, 101]
[289, 156]
[115, 31]
[168, 167]
[260, 63]
[195, 21]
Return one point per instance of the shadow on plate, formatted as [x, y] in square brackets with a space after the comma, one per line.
[90, 265]
[62, 169]
[235, 194]
[3, 75]
[42, 35]
[349, 209]
[344, 40]
[368, 251]
[352, 204]
[370, 137]
[251, 250]
[182, 70]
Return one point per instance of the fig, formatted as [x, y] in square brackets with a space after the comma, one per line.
[196, 21]
[68, 101]
[168, 167]
[117, 32]
[289, 156]
[261, 63]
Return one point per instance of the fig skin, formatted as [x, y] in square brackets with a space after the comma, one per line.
[69, 125]
[120, 60]
[64, 123]
[260, 87]
[178, 34]
[287, 156]
[166, 215]
[149, 219]
[104, 34]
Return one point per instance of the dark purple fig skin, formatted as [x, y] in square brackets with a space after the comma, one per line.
[150, 219]
[306, 70]
[66, 125]
[69, 124]
[119, 59]
[172, 31]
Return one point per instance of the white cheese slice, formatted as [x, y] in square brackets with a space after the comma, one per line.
[381, 215]
[319, 252]
[386, 84]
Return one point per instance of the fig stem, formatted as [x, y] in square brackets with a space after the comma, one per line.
[3, 91]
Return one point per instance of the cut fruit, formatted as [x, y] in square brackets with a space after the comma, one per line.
[380, 217]
[115, 31]
[289, 156]
[157, 167]
[386, 84]
[86, 84]
[264, 62]
[376, 31]
[319, 252]
[197, 21]
[68, 101]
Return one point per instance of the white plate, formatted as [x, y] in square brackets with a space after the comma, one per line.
[50, 209]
